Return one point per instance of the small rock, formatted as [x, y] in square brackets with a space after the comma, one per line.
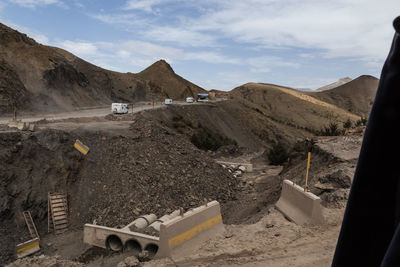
[132, 262]
[242, 168]
[269, 225]
[144, 256]
[277, 234]
[228, 235]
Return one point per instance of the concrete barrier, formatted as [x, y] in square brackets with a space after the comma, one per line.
[184, 234]
[301, 207]
[191, 229]
[27, 248]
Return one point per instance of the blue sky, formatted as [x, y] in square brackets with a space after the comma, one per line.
[218, 43]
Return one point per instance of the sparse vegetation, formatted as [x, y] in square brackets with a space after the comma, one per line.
[331, 130]
[278, 154]
[361, 122]
[206, 139]
[347, 124]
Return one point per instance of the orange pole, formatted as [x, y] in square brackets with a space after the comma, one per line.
[308, 167]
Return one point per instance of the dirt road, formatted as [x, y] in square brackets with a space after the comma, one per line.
[85, 112]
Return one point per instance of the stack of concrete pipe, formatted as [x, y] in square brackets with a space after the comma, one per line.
[154, 228]
[141, 223]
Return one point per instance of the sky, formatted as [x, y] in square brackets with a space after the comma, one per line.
[218, 44]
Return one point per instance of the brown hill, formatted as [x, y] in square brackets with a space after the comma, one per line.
[171, 84]
[355, 96]
[56, 79]
[290, 107]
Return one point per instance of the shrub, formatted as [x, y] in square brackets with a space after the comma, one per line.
[347, 124]
[278, 154]
[331, 130]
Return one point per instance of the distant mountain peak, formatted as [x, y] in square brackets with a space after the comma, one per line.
[160, 65]
[335, 84]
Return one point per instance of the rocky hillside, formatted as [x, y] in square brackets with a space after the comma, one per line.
[356, 96]
[47, 78]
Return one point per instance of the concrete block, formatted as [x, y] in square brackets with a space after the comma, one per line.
[27, 248]
[301, 207]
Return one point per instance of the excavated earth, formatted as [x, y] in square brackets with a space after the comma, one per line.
[133, 168]
[139, 164]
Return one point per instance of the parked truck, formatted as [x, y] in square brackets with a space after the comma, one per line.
[119, 108]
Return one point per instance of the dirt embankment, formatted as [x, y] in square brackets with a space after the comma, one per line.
[142, 168]
[213, 116]
[333, 162]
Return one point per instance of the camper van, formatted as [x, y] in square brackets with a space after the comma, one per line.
[168, 101]
[119, 108]
[189, 99]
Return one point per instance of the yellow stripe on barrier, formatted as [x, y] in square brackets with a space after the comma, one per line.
[28, 247]
[80, 148]
[176, 240]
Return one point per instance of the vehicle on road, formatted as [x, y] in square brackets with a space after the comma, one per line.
[189, 99]
[168, 101]
[202, 97]
[119, 108]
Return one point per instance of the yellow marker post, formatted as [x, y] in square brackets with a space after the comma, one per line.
[308, 167]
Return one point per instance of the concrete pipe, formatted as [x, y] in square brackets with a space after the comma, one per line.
[141, 222]
[132, 247]
[114, 243]
[152, 250]
[156, 225]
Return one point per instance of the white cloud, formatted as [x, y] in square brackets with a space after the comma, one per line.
[211, 57]
[342, 28]
[145, 5]
[266, 63]
[181, 36]
[124, 19]
[81, 49]
[34, 3]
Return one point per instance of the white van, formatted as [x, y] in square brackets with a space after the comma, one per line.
[168, 101]
[119, 108]
[189, 99]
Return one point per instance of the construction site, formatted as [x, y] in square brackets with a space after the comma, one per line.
[258, 176]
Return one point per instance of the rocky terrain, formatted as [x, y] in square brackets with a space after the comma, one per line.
[255, 233]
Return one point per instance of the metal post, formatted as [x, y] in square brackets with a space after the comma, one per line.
[306, 189]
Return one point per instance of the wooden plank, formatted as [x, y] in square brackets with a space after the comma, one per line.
[60, 227]
[59, 209]
[58, 213]
[56, 201]
[57, 222]
[60, 217]
[58, 195]
[57, 205]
